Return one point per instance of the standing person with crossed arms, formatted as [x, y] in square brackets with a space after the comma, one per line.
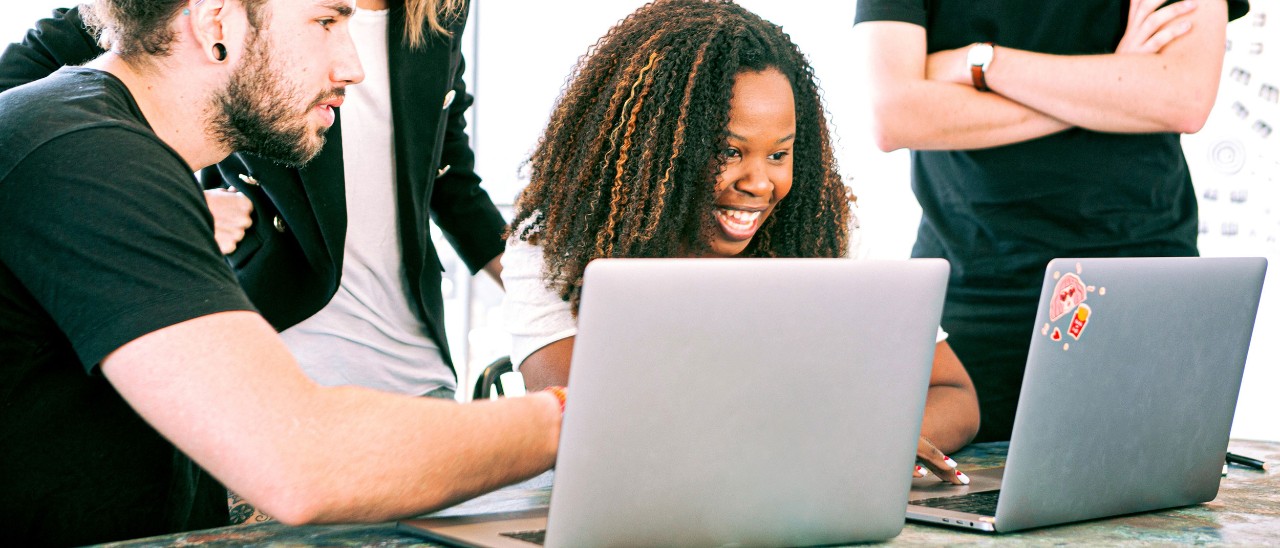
[1039, 130]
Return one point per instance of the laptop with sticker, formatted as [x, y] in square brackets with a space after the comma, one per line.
[1126, 406]
[735, 402]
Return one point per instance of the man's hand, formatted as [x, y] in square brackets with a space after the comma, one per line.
[231, 216]
[1151, 27]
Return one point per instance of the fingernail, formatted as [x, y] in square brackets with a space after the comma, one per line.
[964, 480]
[949, 462]
[922, 470]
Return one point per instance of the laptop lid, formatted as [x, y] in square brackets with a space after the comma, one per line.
[1130, 388]
[737, 401]
[740, 401]
[1131, 385]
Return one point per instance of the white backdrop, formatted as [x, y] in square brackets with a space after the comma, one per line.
[523, 51]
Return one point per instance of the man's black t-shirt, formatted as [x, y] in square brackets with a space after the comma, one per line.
[1000, 214]
[104, 238]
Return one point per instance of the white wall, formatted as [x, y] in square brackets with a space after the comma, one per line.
[20, 16]
[1236, 165]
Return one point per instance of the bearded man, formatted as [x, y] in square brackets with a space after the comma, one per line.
[127, 348]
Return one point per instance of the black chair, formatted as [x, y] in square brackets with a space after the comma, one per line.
[490, 380]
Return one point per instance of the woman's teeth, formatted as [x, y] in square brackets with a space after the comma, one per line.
[738, 219]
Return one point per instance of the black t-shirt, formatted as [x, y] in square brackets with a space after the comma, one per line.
[104, 237]
[1000, 214]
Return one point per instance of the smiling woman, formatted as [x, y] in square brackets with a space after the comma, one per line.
[755, 169]
[682, 115]
[693, 128]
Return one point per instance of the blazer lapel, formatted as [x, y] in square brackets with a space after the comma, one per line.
[323, 184]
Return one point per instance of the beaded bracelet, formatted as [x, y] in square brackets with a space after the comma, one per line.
[560, 394]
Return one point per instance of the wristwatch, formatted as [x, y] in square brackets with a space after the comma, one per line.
[979, 59]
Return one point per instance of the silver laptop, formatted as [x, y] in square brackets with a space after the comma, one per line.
[735, 402]
[1126, 406]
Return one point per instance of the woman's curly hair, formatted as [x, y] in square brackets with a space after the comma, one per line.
[628, 162]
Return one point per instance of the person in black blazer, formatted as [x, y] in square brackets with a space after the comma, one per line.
[291, 257]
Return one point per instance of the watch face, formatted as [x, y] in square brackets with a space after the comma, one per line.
[980, 55]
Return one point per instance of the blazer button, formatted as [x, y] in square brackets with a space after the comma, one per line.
[278, 223]
[440, 172]
[448, 98]
[248, 179]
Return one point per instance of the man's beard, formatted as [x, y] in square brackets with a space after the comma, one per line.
[255, 112]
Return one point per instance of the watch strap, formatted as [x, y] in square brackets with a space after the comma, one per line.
[979, 72]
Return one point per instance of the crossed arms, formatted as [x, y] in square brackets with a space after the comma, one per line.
[1163, 77]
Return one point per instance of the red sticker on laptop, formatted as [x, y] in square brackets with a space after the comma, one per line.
[1069, 292]
[1079, 321]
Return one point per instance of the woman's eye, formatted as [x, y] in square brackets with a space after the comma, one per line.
[730, 153]
[778, 155]
[326, 23]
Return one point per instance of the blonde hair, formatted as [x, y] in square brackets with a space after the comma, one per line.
[421, 15]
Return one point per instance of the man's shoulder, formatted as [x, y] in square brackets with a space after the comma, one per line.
[1237, 9]
[72, 98]
[52, 109]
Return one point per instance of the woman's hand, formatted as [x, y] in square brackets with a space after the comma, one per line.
[931, 459]
[231, 216]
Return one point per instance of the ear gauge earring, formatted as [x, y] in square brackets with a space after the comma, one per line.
[219, 52]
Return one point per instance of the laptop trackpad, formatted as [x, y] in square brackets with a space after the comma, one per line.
[987, 479]
[515, 529]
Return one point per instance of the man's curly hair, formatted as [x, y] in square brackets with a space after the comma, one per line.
[133, 28]
[628, 162]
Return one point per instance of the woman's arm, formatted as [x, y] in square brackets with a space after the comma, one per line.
[951, 409]
[548, 366]
[951, 415]
[541, 323]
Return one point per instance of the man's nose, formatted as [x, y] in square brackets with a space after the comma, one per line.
[347, 69]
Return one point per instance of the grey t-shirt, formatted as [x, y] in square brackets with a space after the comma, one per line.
[368, 335]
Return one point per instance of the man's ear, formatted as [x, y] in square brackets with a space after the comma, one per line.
[208, 27]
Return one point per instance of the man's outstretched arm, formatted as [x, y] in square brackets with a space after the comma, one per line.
[226, 391]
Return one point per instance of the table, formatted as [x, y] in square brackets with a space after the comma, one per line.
[1246, 512]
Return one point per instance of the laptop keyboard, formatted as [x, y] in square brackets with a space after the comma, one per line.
[983, 503]
[538, 537]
